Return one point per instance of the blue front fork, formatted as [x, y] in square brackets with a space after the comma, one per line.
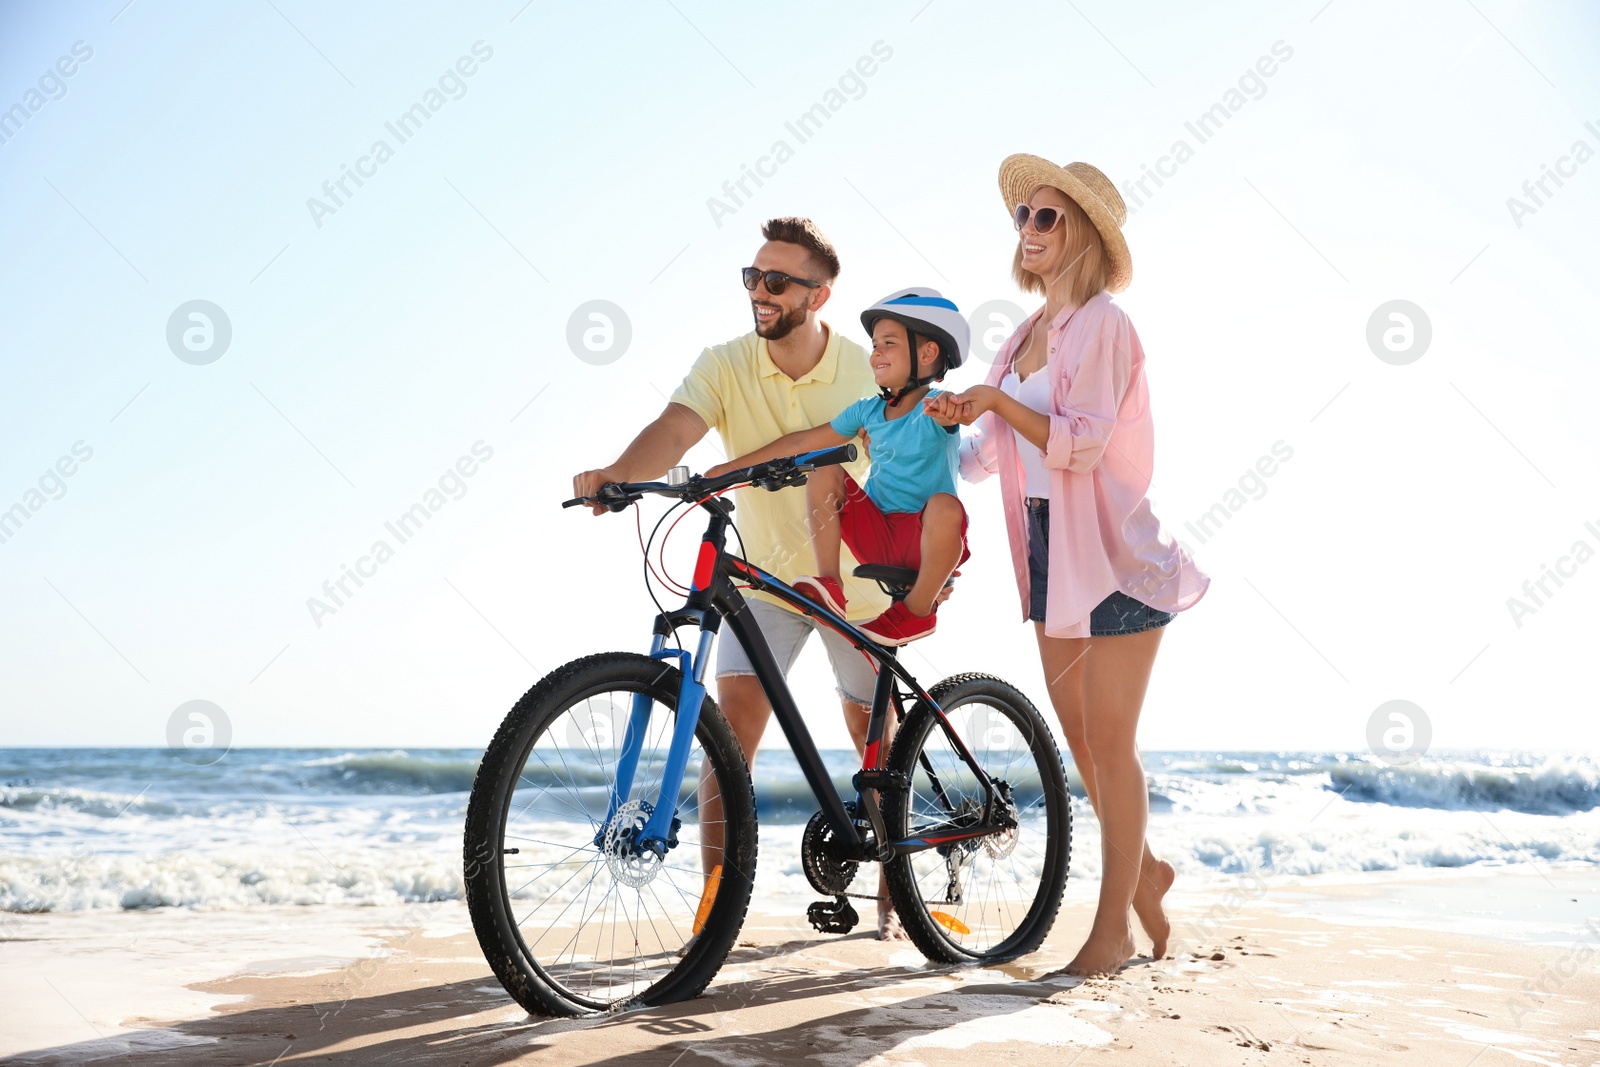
[658, 830]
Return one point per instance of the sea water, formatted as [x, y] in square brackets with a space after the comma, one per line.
[143, 828]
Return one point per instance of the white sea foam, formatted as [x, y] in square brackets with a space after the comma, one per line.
[142, 828]
[226, 879]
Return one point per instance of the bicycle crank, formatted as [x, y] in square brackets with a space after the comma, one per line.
[834, 916]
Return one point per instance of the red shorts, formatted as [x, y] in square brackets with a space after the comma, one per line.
[893, 539]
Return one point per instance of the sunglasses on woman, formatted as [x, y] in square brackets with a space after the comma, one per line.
[1044, 220]
[776, 280]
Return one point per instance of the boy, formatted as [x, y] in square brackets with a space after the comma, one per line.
[908, 514]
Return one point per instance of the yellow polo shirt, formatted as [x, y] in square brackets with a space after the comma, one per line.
[741, 394]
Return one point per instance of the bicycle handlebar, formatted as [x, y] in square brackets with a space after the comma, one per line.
[828, 457]
[772, 475]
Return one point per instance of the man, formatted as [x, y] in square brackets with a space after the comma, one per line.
[792, 372]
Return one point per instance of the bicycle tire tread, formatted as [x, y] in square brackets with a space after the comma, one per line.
[903, 888]
[482, 891]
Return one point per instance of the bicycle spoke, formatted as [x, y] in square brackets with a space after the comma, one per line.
[999, 877]
[601, 922]
[524, 920]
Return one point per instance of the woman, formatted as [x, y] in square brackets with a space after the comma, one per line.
[1066, 425]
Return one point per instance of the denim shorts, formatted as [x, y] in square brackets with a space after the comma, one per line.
[1114, 616]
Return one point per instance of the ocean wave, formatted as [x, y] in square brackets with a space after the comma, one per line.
[1213, 765]
[329, 872]
[1556, 787]
[142, 828]
[1224, 764]
[83, 801]
[65, 809]
[391, 772]
[1350, 849]
[228, 880]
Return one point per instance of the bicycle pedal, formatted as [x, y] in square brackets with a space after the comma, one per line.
[833, 916]
[879, 780]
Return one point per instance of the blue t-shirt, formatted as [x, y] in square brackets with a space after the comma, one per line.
[913, 457]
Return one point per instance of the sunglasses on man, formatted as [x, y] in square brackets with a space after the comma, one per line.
[1044, 220]
[776, 280]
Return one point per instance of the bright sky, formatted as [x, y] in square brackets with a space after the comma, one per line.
[379, 338]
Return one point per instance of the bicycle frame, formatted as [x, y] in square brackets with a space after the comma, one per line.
[713, 597]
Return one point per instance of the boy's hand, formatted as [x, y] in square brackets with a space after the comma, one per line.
[945, 410]
[719, 470]
[976, 401]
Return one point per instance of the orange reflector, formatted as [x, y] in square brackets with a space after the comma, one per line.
[949, 922]
[708, 897]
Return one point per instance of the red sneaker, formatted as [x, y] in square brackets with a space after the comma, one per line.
[898, 626]
[829, 592]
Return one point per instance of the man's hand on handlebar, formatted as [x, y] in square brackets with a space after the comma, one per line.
[773, 474]
[588, 485]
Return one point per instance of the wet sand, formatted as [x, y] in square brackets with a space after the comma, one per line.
[1310, 973]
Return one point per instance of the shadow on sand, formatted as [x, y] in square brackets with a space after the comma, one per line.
[440, 1024]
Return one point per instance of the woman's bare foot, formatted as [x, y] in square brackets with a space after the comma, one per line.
[1154, 881]
[1102, 955]
[889, 928]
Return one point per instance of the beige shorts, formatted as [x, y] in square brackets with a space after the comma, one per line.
[855, 676]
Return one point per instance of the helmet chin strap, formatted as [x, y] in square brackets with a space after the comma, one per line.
[892, 397]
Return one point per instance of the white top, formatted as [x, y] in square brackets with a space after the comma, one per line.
[1033, 392]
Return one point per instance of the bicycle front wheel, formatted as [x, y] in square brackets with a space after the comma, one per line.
[573, 918]
[989, 898]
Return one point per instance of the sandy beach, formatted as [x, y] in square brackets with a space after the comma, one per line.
[1218, 372]
[1457, 968]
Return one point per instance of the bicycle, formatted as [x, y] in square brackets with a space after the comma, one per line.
[580, 855]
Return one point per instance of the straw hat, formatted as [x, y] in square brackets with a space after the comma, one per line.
[1021, 174]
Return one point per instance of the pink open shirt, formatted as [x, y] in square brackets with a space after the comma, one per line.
[1103, 536]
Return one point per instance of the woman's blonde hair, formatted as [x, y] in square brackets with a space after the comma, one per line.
[1087, 262]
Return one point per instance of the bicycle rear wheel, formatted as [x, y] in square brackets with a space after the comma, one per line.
[988, 898]
[573, 920]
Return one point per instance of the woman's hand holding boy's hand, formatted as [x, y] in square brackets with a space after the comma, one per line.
[945, 409]
[976, 401]
[949, 409]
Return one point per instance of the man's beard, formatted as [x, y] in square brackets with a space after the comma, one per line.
[782, 326]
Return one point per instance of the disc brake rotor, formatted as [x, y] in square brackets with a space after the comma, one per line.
[627, 862]
[1001, 845]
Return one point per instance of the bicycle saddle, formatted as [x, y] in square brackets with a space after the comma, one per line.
[896, 581]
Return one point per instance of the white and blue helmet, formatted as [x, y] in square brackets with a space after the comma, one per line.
[927, 313]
